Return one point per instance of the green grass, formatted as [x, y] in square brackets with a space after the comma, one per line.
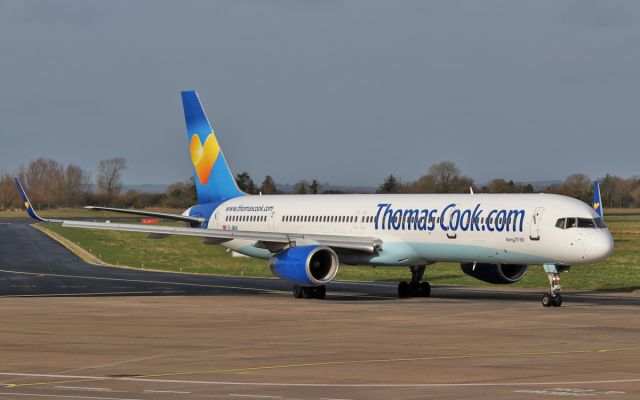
[620, 272]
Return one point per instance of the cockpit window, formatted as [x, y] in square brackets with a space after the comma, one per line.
[568, 223]
[599, 223]
[586, 223]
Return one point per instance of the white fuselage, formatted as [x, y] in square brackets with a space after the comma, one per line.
[421, 229]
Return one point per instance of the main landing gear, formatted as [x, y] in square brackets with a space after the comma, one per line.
[415, 288]
[553, 298]
[309, 292]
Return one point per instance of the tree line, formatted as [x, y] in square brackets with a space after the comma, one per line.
[51, 184]
[445, 177]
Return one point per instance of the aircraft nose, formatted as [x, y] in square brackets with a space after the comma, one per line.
[598, 246]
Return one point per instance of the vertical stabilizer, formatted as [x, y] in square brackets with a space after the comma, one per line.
[214, 180]
[597, 201]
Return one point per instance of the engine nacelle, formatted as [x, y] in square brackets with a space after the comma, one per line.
[305, 265]
[499, 274]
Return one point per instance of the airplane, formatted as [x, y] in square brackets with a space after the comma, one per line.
[494, 237]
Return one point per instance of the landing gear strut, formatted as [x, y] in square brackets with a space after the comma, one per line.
[553, 298]
[309, 292]
[415, 288]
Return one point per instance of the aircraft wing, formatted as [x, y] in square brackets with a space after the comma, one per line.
[174, 217]
[273, 241]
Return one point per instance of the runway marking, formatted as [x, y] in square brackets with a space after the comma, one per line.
[201, 285]
[331, 398]
[84, 388]
[166, 391]
[100, 278]
[82, 294]
[571, 392]
[65, 396]
[148, 377]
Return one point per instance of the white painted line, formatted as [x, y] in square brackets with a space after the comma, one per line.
[356, 385]
[51, 376]
[78, 294]
[84, 388]
[331, 398]
[64, 396]
[166, 391]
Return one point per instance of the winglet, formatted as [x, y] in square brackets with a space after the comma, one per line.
[27, 204]
[597, 201]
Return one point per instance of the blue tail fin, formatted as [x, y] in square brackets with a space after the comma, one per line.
[597, 201]
[27, 204]
[214, 179]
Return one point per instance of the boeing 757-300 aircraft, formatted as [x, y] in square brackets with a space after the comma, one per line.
[494, 237]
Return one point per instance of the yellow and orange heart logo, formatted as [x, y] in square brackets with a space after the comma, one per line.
[204, 156]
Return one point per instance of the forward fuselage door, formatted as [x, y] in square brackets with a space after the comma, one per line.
[536, 223]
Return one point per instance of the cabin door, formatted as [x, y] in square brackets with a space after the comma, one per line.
[534, 226]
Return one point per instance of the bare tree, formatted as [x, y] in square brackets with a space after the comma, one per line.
[302, 187]
[110, 175]
[76, 185]
[8, 191]
[44, 178]
[268, 185]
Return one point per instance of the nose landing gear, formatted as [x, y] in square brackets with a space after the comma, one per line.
[553, 298]
[415, 288]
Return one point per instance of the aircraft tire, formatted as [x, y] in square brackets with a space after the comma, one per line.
[404, 290]
[424, 289]
[557, 301]
[547, 300]
[298, 291]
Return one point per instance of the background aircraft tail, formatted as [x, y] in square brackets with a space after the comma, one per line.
[214, 180]
[597, 201]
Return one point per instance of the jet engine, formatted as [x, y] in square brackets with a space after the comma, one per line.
[496, 273]
[305, 265]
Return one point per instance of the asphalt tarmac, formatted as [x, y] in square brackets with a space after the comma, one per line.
[73, 330]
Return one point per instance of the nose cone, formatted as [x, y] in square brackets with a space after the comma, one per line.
[598, 246]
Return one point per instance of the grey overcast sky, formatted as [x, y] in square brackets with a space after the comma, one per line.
[342, 91]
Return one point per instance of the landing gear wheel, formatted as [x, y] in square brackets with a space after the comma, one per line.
[320, 292]
[297, 291]
[308, 292]
[553, 297]
[424, 289]
[557, 301]
[404, 290]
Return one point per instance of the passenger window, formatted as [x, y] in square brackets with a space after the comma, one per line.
[571, 223]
